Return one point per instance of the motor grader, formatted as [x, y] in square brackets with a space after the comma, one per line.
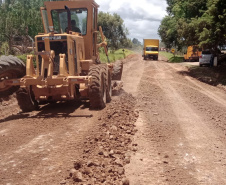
[66, 63]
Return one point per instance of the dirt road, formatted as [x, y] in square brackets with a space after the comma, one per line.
[164, 128]
[181, 127]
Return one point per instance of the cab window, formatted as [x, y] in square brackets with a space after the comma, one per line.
[78, 20]
[151, 49]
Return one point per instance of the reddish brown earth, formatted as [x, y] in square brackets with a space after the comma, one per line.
[164, 127]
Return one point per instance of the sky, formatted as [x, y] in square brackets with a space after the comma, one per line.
[141, 17]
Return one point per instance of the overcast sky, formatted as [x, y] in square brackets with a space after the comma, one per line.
[141, 17]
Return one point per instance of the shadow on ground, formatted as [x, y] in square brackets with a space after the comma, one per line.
[210, 75]
[61, 109]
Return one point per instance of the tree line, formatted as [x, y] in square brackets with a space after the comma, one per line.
[192, 22]
[22, 18]
[18, 18]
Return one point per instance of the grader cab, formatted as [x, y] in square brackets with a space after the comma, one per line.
[67, 64]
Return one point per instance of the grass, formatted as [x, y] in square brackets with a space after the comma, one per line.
[171, 58]
[22, 57]
[115, 55]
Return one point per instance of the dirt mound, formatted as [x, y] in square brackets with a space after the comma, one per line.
[131, 57]
[8, 106]
[105, 153]
[210, 75]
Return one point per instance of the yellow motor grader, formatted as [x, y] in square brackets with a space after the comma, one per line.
[66, 64]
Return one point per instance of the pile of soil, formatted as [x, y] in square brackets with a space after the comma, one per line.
[8, 106]
[106, 152]
[131, 57]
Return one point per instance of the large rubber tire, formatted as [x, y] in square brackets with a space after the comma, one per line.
[10, 67]
[108, 77]
[26, 100]
[108, 86]
[97, 90]
[117, 70]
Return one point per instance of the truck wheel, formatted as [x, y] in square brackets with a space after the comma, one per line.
[117, 70]
[97, 89]
[26, 100]
[10, 67]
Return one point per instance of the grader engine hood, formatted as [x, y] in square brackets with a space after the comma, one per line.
[71, 45]
[54, 38]
[56, 42]
[45, 45]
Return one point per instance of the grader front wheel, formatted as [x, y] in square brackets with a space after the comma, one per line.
[10, 68]
[26, 100]
[97, 90]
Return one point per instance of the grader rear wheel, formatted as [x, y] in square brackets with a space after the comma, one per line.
[10, 68]
[117, 70]
[97, 90]
[26, 100]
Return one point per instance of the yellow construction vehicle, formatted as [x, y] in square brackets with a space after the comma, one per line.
[67, 60]
[151, 49]
[192, 54]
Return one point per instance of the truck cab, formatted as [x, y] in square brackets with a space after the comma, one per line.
[151, 49]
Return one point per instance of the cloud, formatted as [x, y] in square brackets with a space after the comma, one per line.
[141, 17]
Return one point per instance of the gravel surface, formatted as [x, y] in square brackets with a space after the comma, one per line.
[163, 127]
[181, 128]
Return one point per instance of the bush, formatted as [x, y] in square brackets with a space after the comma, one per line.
[114, 55]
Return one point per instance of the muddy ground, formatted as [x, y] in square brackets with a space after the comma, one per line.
[164, 127]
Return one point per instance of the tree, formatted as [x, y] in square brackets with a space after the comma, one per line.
[114, 29]
[179, 27]
[21, 17]
[211, 26]
[168, 32]
[136, 41]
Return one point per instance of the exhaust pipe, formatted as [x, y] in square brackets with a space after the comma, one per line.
[68, 19]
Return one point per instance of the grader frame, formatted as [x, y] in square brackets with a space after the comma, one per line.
[67, 62]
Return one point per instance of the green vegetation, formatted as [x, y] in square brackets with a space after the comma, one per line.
[21, 19]
[194, 22]
[18, 18]
[114, 55]
[171, 58]
[23, 57]
[114, 30]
